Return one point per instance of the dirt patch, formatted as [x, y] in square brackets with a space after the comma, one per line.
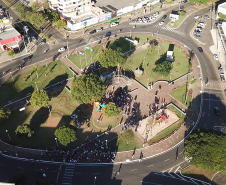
[52, 121]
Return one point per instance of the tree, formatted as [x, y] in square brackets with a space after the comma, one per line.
[36, 19]
[111, 110]
[66, 134]
[110, 58]
[40, 98]
[60, 23]
[182, 13]
[22, 9]
[53, 16]
[206, 149]
[222, 16]
[163, 68]
[11, 52]
[24, 131]
[19, 179]
[87, 87]
[4, 113]
[35, 6]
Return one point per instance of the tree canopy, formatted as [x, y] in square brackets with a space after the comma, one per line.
[60, 23]
[111, 110]
[40, 98]
[86, 87]
[222, 16]
[24, 131]
[163, 68]
[207, 149]
[66, 134]
[110, 58]
[200, 1]
[53, 16]
[4, 113]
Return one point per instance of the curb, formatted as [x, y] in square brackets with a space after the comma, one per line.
[178, 25]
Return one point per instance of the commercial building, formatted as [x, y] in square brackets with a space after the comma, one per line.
[221, 9]
[10, 38]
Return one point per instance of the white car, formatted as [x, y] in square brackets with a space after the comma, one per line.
[114, 24]
[197, 16]
[216, 57]
[161, 23]
[61, 49]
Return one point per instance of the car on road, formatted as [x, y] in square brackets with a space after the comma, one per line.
[161, 23]
[114, 24]
[215, 57]
[33, 39]
[181, 7]
[196, 17]
[197, 35]
[200, 49]
[26, 59]
[164, 16]
[108, 34]
[217, 111]
[206, 17]
[93, 31]
[61, 49]
[99, 29]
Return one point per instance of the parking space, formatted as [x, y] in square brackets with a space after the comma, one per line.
[147, 19]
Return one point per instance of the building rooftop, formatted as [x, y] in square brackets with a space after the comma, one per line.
[114, 5]
[223, 5]
[9, 32]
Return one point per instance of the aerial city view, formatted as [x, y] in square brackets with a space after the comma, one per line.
[124, 92]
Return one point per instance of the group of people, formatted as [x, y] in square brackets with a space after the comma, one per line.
[94, 150]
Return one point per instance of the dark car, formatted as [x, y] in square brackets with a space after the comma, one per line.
[108, 34]
[197, 35]
[181, 7]
[217, 111]
[27, 58]
[200, 49]
[93, 31]
[164, 16]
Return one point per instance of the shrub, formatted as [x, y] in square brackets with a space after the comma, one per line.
[11, 53]
[24, 131]
[66, 134]
[111, 110]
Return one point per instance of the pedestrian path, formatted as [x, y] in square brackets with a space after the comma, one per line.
[68, 175]
[175, 173]
[170, 29]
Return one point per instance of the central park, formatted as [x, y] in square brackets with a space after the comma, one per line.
[123, 86]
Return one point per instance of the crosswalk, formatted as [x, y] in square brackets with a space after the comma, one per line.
[170, 29]
[217, 85]
[175, 172]
[68, 175]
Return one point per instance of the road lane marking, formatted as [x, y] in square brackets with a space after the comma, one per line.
[70, 169]
[58, 174]
[68, 175]
[177, 169]
[150, 183]
[68, 172]
[133, 170]
[151, 165]
[170, 170]
[180, 153]
[166, 160]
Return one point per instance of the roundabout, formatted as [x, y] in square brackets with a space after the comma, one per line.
[163, 158]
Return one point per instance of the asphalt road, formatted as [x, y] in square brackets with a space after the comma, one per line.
[156, 171]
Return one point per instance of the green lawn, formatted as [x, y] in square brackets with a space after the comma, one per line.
[176, 111]
[12, 90]
[177, 22]
[146, 60]
[180, 95]
[90, 57]
[120, 144]
[45, 125]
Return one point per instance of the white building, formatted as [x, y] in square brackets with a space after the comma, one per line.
[221, 9]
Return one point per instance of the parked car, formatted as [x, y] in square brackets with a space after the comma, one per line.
[196, 17]
[61, 49]
[217, 111]
[114, 24]
[200, 49]
[93, 31]
[164, 16]
[99, 29]
[215, 57]
[207, 17]
[181, 7]
[221, 71]
[197, 35]
[222, 77]
[198, 30]
[33, 38]
[161, 23]
[202, 24]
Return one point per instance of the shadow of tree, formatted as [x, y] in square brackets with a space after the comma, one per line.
[39, 117]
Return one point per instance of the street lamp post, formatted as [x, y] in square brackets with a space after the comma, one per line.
[106, 142]
[56, 141]
[36, 85]
[157, 34]
[49, 110]
[8, 134]
[95, 180]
